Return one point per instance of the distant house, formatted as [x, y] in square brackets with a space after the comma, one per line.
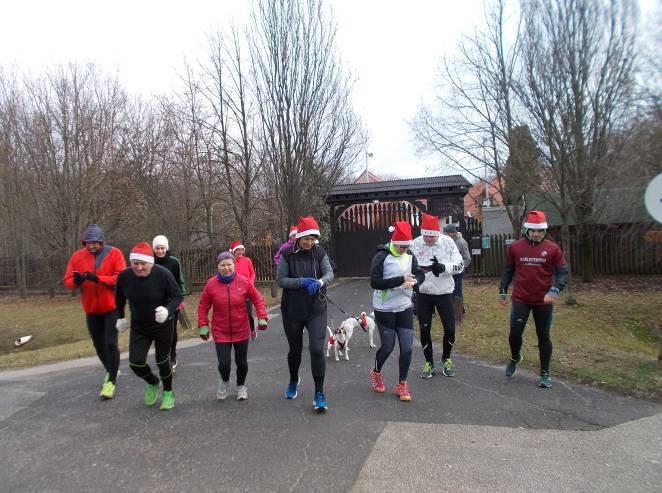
[475, 199]
[612, 207]
[367, 177]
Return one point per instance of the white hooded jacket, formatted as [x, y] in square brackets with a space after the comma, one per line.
[447, 253]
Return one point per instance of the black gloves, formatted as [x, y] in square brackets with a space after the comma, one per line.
[437, 267]
[78, 278]
[91, 276]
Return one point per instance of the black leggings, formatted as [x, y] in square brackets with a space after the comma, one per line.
[390, 326]
[316, 326]
[542, 316]
[425, 305]
[173, 344]
[223, 353]
[104, 338]
[139, 342]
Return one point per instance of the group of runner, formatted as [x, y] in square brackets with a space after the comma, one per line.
[430, 265]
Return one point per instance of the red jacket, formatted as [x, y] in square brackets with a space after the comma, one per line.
[95, 297]
[244, 267]
[230, 319]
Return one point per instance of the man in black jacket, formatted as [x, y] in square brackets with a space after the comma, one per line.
[153, 297]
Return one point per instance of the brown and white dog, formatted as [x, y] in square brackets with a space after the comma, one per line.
[338, 341]
[364, 322]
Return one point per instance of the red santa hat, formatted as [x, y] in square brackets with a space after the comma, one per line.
[535, 220]
[307, 226]
[401, 233]
[236, 244]
[293, 231]
[429, 225]
[143, 252]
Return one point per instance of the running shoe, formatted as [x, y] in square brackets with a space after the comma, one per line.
[151, 393]
[320, 404]
[448, 368]
[108, 390]
[168, 400]
[544, 382]
[222, 392]
[511, 369]
[242, 393]
[291, 390]
[402, 391]
[427, 370]
[377, 382]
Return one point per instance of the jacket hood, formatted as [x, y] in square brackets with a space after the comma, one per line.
[92, 233]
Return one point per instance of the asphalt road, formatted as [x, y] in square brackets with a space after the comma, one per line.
[476, 432]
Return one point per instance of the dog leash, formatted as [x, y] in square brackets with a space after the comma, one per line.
[344, 312]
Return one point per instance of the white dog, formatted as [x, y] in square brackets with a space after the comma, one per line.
[364, 322]
[338, 341]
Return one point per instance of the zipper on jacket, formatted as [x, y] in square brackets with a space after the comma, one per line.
[230, 313]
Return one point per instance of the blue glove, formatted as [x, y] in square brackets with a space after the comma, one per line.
[314, 287]
[307, 281]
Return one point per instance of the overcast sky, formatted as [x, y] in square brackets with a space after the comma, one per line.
[391, 47]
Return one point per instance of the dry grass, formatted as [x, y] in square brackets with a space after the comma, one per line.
[608, 339]
[59, 331]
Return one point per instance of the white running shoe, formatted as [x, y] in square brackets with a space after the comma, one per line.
[222, 392]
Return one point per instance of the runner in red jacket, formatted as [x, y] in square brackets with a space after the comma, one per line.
[243, 266]
[226, 293]
[94, 269]
[540, 273]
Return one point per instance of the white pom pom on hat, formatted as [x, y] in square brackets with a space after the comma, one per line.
[391, 229]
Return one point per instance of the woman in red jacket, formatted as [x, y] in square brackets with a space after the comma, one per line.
[227, 293]
[243, 266]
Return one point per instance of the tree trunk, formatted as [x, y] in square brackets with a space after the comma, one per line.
[571, 297]
[21, 278]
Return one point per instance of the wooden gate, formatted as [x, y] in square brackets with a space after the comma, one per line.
[362, 227]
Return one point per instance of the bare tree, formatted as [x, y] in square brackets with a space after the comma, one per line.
[579, 60]
[310, 135]
[473, 125]
[69, 137]
[233, 125]
[13, 176]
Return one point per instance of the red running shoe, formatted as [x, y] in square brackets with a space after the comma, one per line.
[402, 391]
[377, 382]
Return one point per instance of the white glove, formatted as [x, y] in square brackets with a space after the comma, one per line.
[161, 314]
[121, 325]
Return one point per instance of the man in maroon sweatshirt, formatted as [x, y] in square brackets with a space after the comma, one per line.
[540, 273]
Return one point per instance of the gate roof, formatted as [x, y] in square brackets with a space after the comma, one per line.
[398, 189]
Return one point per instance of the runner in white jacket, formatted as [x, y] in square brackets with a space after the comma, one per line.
[439, 257]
